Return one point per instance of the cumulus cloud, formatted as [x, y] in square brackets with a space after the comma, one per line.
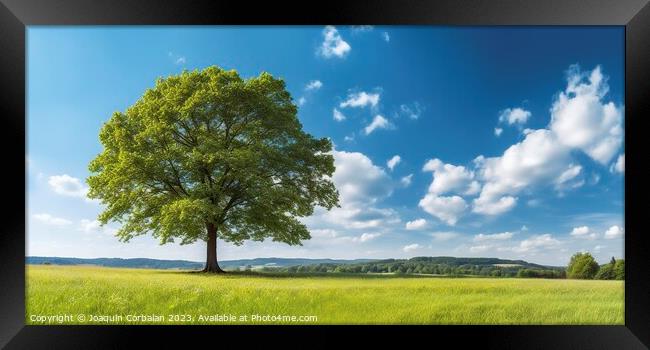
[406, 180]
[512, 116]
[333, 44]
[379, 122]
[365, 237]
[583, 232]
[67, 185]
[358, 179]
[450, 178]
[448, 209]
[314, 85]
[538, 158]
[361, 99]
[581, 119]
[411, 247]
[416, 224]
[493, 237]
[337, 115]
[361, 185]
[614, 232]
[302, 100]
[392, 163]
[580, 231]
[51, 220]
[537, 242]
[619, 165]
[498, 131]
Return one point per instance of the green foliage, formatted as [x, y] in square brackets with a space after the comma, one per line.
[208, 147]
[606, 272]
[582, 266]
[619, 269]
[432, 266]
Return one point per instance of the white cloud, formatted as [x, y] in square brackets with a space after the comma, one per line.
[513, 116]
[51, 220]
[567, 178]
[493, 237]
[619, 165]
[379, 122]
[337, 115]
[301, 101]
[361, 185]
[177, 59]
[498, 131]
[537, 159]
[89, 225]
[417, 224]
[392, 163]
[536, 242]
[578, 121]
[479, 248]
[614, 232]
[361, 99]
[444, 236]
[412, 111]
[349, 138]
[406, 180]
[358, 179]
[580, 118]
[67, 185]
[580, 231]
[365, 237]
[314, 85]
[324, 233]
[333, 44]
[447, 209]
[94, 226]
[583, 232]
[411, 247]
[450, 178]
[386, 36]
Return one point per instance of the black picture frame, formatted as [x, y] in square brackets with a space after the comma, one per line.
[15, 15]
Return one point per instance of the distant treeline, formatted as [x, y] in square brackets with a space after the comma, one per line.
[449, 266]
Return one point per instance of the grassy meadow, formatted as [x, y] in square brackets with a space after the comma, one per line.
[98, 293]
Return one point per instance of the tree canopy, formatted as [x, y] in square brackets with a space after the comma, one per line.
[209, 152]
[582, 266]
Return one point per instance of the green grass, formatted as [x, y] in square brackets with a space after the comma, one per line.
[334, 299]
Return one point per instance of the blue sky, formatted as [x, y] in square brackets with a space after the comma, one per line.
[509, 139]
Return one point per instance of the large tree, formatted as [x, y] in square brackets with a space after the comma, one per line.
[206, 155]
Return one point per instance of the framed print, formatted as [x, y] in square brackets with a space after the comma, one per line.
[462, 170]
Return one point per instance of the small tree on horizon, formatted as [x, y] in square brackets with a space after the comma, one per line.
[205, 155]
[582, 266]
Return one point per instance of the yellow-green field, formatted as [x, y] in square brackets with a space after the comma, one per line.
[94, 295]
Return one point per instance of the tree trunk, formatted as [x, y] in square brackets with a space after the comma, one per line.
[211, 264]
